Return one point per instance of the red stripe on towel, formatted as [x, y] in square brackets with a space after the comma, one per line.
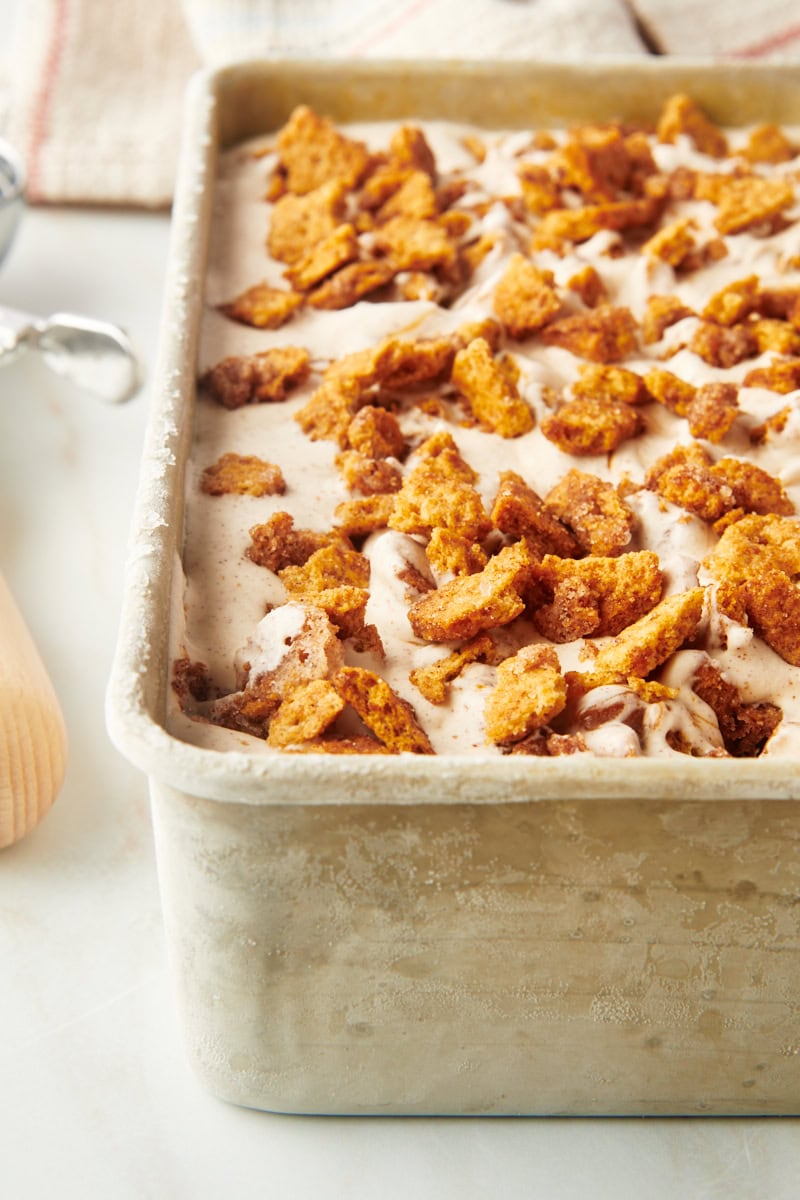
[40, 118]
[390, 27]
[776, 42]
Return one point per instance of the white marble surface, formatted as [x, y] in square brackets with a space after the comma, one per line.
[96, 1098]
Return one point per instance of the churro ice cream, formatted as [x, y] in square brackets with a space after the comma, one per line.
[496, 444]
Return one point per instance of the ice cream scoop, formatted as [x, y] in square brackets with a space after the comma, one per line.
[95, 355]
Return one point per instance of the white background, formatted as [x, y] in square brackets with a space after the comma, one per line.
[96, 1098]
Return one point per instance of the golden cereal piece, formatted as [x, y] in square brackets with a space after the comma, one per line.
[648, 642]
[680, 115]
[525, 298]
[756, 562]
[579, 224]
[684, 477]
[369, 476]
[781, 376]
[416, 245]
[493, 398]
[311, 152]
[722, 346]
[334, 565]
[345, 606]
[586, 426]
[439, 492]
[751, 201]
[595, 596]
[768, 143]
[276, 544]
[594, 512]
[410, 148]
[672, 243]
[467, 606]
[734, 302]
[327, 414]
[242, 475]
[258, 378]
[541, 193]
[350, 284]
[594, 161]
[520, 512]
[588, 284]
[606, 334]
[529, 692]
[390, 718]
[660, 313]
[334, 251]
[754, 489]
[778, 336]
[262, 306]
[305, 713]
[298, 223]
[475, 145]
[712, 410]
[450, 554]
[376, 433]
[600, 382]
[670, 390]
[434, 681]
[357, 518]
[363, 744]
[415, 199]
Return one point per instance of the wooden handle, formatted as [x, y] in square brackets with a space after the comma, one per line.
[33, 741]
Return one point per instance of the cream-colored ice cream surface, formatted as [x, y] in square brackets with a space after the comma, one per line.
[235, 613]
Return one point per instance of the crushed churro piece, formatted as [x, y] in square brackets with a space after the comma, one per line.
[751, 201]
[660, 313]
[262, 306]
[648, 642]
[594, 161]
[601, 382]
[672, 243]
[276, 544]
[712, 410]
[298, 223]
[334, 251]
[492, 397]
[243, 475]
[192, 681]
[470, 604]
[529, 692]
[412, 244]
[586, 426]
[540, 191]
[593, 511]
[415, 199]
[433, 681]
[680, 115]
[722, 346]
[595, 596]
[519, 512]
[745, 728]
[311, 152]
[780, 376]
[605, 334]
[257, 378]
[356, 518]
[588, 284]
[344, 604]
[369, 476]
[734, 302]
[389, 717]
[350, 284]
[450, 554]
[328, 412]
[439, 492]
[247, 711]
[525, 299]
[333, 565]
[305, 713]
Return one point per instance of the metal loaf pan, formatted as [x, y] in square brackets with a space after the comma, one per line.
[416, 935]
